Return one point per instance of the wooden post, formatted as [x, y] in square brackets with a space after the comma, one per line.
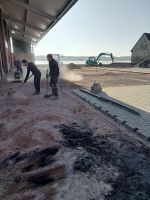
[1, 67]
[2, 44]
[11, 61]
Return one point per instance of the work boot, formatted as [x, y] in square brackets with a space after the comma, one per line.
[54, 97]
[36, 93]
[49, 95]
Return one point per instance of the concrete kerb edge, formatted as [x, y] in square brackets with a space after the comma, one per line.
[114, 117]
[93, 105]
[112, 102]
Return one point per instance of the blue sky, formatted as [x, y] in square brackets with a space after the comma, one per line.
[94, 26]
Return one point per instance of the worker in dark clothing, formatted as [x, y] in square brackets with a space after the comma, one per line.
[31, 67]
[17, 64]
[54, 74]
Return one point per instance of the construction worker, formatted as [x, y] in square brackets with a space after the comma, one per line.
[31, 67]
[54, 74]
[17, 64]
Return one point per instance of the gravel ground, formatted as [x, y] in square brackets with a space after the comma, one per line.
[137, 96]
[121, 169]
[113, 77]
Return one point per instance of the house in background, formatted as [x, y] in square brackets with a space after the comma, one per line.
[141, 50]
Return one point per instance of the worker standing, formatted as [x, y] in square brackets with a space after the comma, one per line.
[54, 74]
[17, 64]
[31, 67]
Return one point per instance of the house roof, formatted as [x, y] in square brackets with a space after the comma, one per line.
[30, 20]
[146, 34]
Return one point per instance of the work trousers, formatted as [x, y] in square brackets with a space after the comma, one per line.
[53, 84]
[37, 79]
[19, 69]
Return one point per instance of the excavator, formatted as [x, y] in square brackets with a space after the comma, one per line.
[93, 61]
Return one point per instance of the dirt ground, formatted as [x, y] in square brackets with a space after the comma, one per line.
[65, 149]
[109, 78]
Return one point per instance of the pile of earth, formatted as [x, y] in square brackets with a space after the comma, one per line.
[72, 66]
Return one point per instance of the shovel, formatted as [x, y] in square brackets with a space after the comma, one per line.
[12, 92]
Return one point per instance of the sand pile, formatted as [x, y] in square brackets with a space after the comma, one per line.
[73, 66]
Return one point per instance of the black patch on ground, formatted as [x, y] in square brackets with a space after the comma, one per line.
[13, 156]
[43, 162]
[133, 162]
[40, 180]
[84, 162]
[4, 163]
[130, 186]
[48, 151]
[21, 158]
[30, 169]
[76, 135]
[27, 168]
[42, 156]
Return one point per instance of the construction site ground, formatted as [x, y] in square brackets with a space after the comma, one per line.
[65, 149]
[130, 85]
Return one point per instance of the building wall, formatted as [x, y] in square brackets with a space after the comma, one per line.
[141, 50]
[27, 56]
[22, 50]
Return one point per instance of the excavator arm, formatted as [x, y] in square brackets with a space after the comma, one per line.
[92, 61]
[104, 54]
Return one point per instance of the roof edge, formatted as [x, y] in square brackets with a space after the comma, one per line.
[68, 5]
[139, 39]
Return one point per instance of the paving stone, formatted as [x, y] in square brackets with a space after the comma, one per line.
[139, 123]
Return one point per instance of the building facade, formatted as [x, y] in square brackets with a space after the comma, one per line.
[141, 50]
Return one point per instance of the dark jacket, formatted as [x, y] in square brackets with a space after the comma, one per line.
[54, 69]
[32, 68]
[17, 63]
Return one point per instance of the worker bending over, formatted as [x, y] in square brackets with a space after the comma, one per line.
[54, 74]
[31, 67]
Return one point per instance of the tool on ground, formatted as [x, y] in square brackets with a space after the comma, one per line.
[96, 88]
[12, 92]
[47, 95]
